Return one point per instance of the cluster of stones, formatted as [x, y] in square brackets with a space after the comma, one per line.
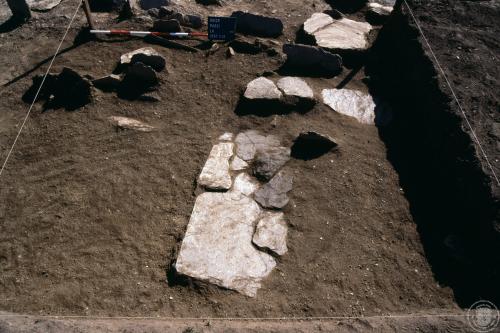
[236, 222]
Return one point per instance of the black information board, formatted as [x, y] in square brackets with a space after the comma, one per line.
[221, 28]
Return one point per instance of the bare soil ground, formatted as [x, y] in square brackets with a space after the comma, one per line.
[91, 217]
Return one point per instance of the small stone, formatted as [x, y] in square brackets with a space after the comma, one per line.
[215, 174]
[274, 193]
[230, 52]
[352, 103]
[146, 55]
[262, 88]
[150, 97]
[245, 184]
[238, 164]
[306, 56]
[271, 232]
[108, 83]
[167, 26]
[378, 13]
[226, 137]
[42, 5]
[269, 161]
[131, 124]
[245, 46]
[258, 25]
[309, 145]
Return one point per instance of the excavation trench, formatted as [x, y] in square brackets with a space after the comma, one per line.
[451, 197]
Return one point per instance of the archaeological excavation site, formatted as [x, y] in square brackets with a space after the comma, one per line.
[249, 166]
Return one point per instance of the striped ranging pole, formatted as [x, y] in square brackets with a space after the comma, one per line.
[149, 33]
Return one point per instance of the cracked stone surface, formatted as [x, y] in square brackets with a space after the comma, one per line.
[271, 232]
[249, 142]
[217, 246]
[262, 88]
[215, 174]
[351, 103]
[342, 34]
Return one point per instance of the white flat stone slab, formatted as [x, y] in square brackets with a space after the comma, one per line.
[351, 103]
[245, 184]
[262, 88]
[42, 5]
[342, 34]
[294, 86]
[131, 124]
[217, 247]
[271, 232]
[226, 137]
[215, 174]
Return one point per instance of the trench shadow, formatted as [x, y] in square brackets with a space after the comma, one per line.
[447, 193]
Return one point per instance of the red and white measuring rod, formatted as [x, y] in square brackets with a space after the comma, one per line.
[149, 33]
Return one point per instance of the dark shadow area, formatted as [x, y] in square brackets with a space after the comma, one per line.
[449, 194]
[349, 77]
[267, 108]
[81, 38]
[310, 145]
[11, 24]
[306, 71]
[347, 6]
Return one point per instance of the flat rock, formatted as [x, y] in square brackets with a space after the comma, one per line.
[217, 246]
[258, 25]
[249, 142]
[215, 174]
[309, 145]
[226, 137]
[341, 34]
[42, 5]
[108, 83]
[306, 56]
[271, 232]
[378, 13]
[245, 184]
[262, 88]
[131, 124]
[147, 55]
[238, 164]
[351, 103]
[274, 193]
[269, 161]
[294, 86]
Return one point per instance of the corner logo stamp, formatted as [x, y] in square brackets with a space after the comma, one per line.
[483, 316]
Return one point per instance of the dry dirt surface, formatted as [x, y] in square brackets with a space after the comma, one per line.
[92, 217]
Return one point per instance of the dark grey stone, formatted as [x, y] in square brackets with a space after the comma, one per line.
[258, 25]
[166, 25]
[269, 161]
[274, 193]
[306, 56]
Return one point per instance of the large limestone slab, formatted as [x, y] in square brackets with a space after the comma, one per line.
[351, 103]
[271, 232]
[217, 247]
[262, 88]
[294, 86]
[341, 34]
[215, 174]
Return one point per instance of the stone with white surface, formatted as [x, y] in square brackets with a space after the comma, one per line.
[215, 174]
[351, 103]
[238, 164]
[245, 184]
[294, 86]
[226, 137]
[262, 88]
[271, 232]
[217, 246]
[341, 34]
[147, 55]
[131, 124]
[43, 5]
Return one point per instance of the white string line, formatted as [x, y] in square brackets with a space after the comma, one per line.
[456, 315]
[40, 88]
[453, 92]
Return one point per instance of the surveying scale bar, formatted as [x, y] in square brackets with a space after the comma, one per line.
[149, 33]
